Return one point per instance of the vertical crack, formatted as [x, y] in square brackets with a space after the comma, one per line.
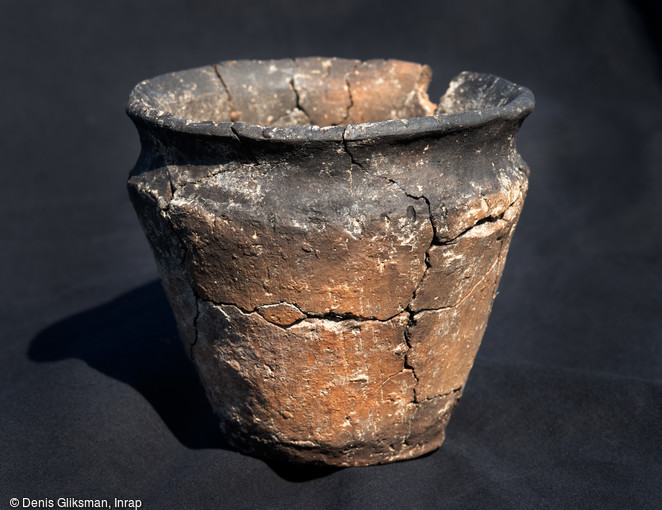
[247, 150]
[349, 94]
[353, 161]
[234, 114]
[349, 153]
[195, 327]
[351, 100]
[411, 320]
[297, 98]
[434, 235]
[407, 362]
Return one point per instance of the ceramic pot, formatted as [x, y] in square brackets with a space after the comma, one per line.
[331, 242]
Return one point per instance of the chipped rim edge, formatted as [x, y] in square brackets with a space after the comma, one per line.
[517, 108]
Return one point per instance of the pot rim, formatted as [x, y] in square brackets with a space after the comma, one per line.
[518, 107]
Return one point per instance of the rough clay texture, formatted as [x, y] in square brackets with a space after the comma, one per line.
[332, 290]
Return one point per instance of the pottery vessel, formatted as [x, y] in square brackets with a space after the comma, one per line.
[330, 242]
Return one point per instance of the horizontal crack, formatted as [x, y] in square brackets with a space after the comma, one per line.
[329, 316]
[395, 375]
[482, 221]
[338, 317]
[466, 296]
[440, 395]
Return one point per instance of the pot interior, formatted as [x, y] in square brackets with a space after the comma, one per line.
[317, 91]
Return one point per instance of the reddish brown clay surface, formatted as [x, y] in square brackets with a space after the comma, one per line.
[331, 279]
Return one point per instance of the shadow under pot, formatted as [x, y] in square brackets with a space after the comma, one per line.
[330, 242]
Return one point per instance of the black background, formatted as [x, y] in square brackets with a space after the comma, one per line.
[563, 408]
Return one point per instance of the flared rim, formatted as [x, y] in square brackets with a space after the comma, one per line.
[518, 103]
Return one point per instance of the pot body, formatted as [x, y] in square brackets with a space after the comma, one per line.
[332, 285]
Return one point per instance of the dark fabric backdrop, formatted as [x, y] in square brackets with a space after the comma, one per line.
[563, 408]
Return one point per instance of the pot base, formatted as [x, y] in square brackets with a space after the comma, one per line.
[428, 434]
